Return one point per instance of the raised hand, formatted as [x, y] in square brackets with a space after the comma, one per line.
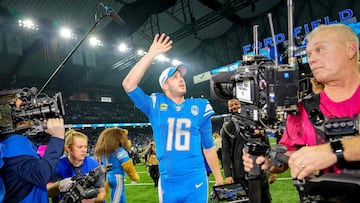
[160, 45]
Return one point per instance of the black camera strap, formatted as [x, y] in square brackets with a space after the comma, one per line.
[312, 106]
[329, 128]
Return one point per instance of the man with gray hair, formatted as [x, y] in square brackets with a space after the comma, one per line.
[333, 55]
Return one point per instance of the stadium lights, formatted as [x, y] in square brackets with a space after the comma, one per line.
[141, 52]
[66, 33]
[176, 62]
[29, 24]
[162, 57]
[123, 48]
[95, 42]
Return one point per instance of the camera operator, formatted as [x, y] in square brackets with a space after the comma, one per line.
[75, 164]
[232, 149]
[24, 173]
[333, 54]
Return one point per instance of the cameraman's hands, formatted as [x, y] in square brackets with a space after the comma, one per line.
[88, 200]
[55, 127]
[249, 163]
[309, 160]
[229, 180]
[65, 184]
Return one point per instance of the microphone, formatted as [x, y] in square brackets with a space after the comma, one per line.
[109, 12]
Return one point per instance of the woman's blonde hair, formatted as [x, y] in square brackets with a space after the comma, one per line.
[69, 137]
[110, 140]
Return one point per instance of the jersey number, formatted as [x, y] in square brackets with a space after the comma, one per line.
[181, 136]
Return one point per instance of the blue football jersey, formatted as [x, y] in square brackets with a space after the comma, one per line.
[180, 132]
[116, 159]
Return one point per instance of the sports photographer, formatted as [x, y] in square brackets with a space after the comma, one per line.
[153, 163]
[75, 164]
[233, 145]
[26, 173]
[333, 54]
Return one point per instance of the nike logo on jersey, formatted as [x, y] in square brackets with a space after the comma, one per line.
[198, 185]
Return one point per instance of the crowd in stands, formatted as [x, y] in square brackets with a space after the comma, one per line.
[101, 112]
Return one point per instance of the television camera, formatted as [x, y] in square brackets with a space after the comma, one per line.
[83, 186]
[267, 93]
[25, 111]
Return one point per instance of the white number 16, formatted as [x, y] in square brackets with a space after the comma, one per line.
[182, 134]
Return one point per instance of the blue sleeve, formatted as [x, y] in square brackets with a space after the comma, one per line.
[206, 127]
[141, 100]
[206, 134]
[209, 111]
[39, 171]
[91, 163]
[122, 155]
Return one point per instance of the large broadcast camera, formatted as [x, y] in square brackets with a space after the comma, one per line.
[268, 92]
[83, 186]
[265, 90]
[25, 111]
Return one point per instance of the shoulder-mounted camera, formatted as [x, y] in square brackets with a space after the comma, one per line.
[25, 111]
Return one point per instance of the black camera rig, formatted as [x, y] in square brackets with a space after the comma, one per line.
[325, 188]
[83, 186]
[264, 89]
[268, 92]
[25, 111]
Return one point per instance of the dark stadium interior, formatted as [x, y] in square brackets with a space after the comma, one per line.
[207, 34]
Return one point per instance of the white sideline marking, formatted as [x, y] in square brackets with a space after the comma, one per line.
[142, 184]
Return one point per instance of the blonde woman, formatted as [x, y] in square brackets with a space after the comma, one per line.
[111, 149]
[76, 163]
